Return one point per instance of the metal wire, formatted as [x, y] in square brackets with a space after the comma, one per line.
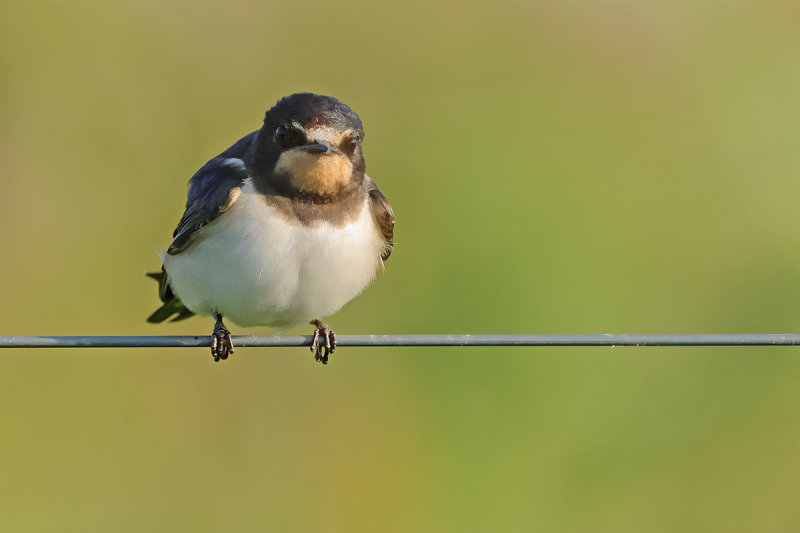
[734, 339]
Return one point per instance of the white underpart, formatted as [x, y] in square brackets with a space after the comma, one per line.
[256, 268]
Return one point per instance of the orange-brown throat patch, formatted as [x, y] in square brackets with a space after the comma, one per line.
[319, 174]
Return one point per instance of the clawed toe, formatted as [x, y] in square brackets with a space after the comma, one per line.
[221, 343]
[324, 342]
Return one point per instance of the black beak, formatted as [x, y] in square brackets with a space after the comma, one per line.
[319, 149]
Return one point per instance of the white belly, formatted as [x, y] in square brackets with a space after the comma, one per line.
[256, 268]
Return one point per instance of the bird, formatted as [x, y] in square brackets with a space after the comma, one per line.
[282, 228]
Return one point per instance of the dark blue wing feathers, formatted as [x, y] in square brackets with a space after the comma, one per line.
[211, 191]
[210, 194]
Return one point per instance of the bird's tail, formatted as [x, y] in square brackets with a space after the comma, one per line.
[172, 304]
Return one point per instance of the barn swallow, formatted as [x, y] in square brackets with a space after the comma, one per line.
[282, 228]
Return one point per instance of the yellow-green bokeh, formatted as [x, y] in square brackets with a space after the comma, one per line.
[555, 167]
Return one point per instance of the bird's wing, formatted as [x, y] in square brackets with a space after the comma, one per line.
[212, 191]
[383, 215]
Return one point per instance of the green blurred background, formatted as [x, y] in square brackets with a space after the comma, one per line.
[556, 167]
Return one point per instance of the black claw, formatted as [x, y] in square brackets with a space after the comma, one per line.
[221, 343]
[322, 349]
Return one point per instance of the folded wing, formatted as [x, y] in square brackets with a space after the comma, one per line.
[383, 215]
[212, 190]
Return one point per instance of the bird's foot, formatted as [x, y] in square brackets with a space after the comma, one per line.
[221, 343]
[324, 341]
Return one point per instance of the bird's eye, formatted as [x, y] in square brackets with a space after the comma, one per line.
[281, 134]
[350, 145]
[288, 137]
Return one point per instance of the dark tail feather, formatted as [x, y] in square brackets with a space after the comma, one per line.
[172, 305]
[170, 308]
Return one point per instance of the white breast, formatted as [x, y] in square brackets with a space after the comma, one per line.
[256, 268]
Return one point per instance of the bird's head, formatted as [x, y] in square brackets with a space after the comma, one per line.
[309, 144]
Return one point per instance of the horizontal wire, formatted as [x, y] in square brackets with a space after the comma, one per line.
[175, 341]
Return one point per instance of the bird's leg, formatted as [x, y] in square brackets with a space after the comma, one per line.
[324, 341]
[221, 343]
